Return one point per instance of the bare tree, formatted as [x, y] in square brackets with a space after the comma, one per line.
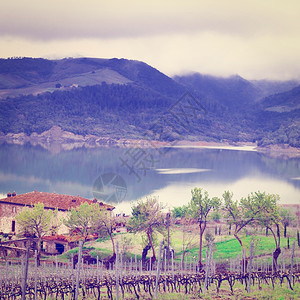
[269, 217]
[287, 217]
[147, 217]
[104, 223]
[241, 213]
[257, 209]
[189, 235]
[199, 208]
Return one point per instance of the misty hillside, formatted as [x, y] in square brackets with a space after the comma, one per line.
[231, 92]
[282, 102]
[130, 99]
[235, 90]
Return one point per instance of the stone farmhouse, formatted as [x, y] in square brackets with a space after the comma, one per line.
[13, 204]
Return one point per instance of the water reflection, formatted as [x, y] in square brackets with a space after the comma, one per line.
[181, 171]
[171, 177]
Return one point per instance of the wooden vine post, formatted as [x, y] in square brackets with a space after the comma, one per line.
[250, 267]
[158, 270]
[24, 282]
[117, 271]
[292, 262]
[78, 270]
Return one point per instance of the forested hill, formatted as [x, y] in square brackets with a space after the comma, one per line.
[129, 99]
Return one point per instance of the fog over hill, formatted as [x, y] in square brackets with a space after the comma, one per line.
[122, 98]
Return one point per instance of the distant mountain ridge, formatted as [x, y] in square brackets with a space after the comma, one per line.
[128, 99]
[29, 72]
[234, 90]
[287, 101]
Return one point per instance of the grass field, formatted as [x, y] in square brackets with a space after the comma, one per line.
[262, 292]
[225, 246]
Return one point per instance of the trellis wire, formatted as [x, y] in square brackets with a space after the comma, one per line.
[13, 274]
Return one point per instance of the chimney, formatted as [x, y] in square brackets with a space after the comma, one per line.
[9, 194]
[14, 194]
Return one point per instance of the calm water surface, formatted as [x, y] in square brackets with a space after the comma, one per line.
[132, 173]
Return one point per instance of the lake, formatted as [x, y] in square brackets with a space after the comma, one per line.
[120, 176]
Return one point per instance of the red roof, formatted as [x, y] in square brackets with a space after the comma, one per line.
[68, 238]
[51, 200]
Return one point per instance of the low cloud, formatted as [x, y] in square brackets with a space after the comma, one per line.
[44, 20]
[256, 39]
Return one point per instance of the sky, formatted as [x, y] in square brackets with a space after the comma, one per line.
[256, 39]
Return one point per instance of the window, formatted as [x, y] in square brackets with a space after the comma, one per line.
[13, 226]
[14, 209]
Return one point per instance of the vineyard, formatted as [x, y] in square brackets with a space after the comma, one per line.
[56, 280]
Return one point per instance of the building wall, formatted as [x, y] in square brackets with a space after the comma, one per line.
[63, 229]
[50, 247]
[8, 212]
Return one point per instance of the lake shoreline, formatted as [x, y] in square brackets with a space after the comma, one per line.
[56, 140]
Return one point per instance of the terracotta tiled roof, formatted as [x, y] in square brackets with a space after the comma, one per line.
[51, 200]
[58, 237]
[67, 238]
